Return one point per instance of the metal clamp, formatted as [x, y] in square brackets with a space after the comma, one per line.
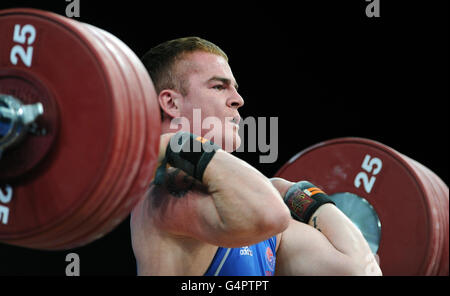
[15, 120]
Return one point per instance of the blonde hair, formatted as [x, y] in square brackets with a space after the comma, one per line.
[161, 60]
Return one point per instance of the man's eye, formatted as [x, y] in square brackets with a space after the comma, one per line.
[219, 87]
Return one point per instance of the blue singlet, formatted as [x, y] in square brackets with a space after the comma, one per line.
[256, 260]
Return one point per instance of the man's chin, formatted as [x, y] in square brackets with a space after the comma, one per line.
[231, 144]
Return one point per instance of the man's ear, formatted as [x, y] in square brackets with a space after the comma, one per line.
[170, 102]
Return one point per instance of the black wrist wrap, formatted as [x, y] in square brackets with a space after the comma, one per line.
[303, 199]
[190, 153]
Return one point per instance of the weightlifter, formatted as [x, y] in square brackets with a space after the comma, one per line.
[210, 213]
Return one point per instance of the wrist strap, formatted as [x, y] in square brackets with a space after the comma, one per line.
[190, 153]
[303, 199]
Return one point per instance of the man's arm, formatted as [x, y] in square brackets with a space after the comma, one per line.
[240, 206]
[330, 244]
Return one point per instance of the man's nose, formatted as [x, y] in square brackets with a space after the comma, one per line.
[235, 101]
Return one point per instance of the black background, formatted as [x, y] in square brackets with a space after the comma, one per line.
[323, 67]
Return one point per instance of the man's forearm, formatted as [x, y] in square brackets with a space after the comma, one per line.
[243, 195]
[339, 230]
[345, 237]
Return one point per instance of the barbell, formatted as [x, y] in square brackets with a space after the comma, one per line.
[69, 177]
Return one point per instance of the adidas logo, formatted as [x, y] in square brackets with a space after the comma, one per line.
[245, 251]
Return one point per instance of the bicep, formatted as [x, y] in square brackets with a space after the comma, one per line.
[304, 250]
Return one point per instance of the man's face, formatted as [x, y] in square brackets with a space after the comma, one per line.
[211, 88]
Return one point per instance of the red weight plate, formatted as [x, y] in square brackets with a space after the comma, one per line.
[433, 259]
[134, 146]
[89, 143]
[152, 137]
[443, 222]
[118, 192]
[153, 127]
[380, 175]
[444, 265]
[442, 197]
[443, 194]
[147, 164]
